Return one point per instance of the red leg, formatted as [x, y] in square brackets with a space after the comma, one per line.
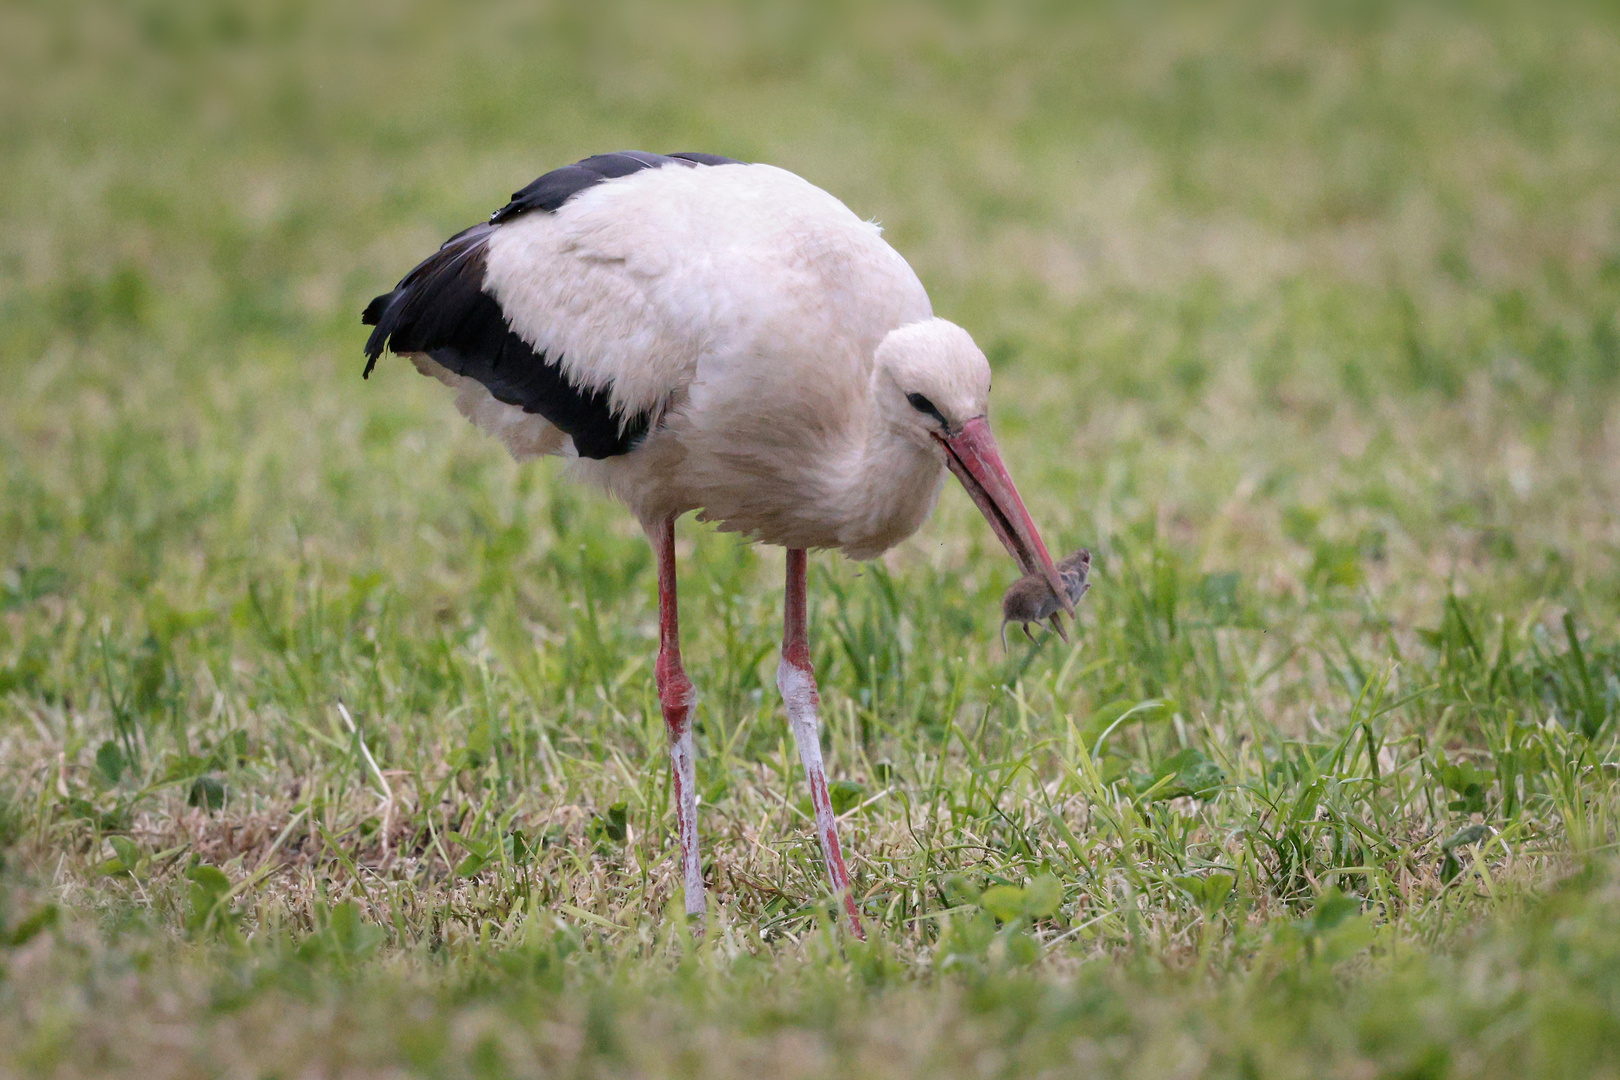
[676, 697]
[797, 680]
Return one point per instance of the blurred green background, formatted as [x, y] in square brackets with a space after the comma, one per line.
[1260, 241]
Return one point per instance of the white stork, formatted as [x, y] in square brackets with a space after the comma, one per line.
[697, 333]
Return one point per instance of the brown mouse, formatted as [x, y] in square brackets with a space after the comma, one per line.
[1030, 599]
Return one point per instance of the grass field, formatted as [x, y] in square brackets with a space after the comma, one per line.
[328, 741]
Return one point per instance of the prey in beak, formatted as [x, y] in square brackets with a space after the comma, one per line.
[972, 456]
[1030, 599]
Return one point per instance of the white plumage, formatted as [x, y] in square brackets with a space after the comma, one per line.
[711, 336]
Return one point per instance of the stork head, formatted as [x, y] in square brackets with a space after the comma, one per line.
[933, 387]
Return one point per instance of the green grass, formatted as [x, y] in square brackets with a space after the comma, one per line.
[328, 740]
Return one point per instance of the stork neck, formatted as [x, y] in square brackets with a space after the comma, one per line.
[889, 488]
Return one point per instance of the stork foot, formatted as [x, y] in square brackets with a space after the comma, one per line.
[683, 769]
[798, 686]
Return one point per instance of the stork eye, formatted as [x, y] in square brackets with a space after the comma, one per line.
[923, 405]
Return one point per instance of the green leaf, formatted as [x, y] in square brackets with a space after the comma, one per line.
[129, 856]
[845, 795]
[1042, 896]
[207, 894]
[210, 878]
[1217, 887]
[1005, 902]
[343, 935]
[1210, 891]
[479, 853]
[612, 826]
[110, 761]
[207, 793]
[464, 758]
[1466, 780]
[1189, 772]
[352, 934]
[517, 847]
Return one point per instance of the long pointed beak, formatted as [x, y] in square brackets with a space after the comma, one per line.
[972, 456]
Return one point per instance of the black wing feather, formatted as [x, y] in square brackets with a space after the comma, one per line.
[550, 191]
[440, 308]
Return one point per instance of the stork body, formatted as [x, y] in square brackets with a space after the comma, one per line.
[706, 335]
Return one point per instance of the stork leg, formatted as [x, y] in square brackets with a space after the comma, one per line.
[676, 696]
[796, 678]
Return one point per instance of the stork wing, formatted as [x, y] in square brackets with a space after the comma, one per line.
[449, 308]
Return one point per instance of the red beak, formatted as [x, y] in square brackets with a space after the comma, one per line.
[972, 455]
